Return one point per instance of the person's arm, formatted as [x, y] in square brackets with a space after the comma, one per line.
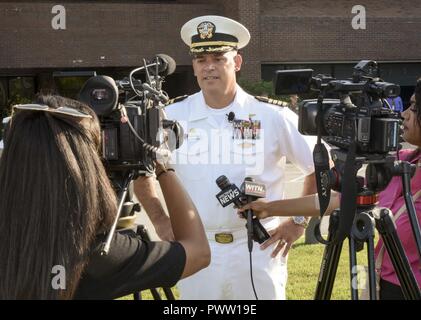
[288, 231]
[309, 186]
[145, 191]
[186, 224]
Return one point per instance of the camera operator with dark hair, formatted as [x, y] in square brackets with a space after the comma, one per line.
[58, 205]
[392, 198]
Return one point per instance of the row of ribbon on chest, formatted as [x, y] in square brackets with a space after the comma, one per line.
[241, 129]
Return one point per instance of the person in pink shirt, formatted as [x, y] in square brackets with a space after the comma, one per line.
[391, 198]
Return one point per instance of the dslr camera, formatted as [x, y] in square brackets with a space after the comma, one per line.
[356, 110]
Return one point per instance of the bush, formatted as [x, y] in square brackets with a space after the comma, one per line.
[261, 88]
[265, 89]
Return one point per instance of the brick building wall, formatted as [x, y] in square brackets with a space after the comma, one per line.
[249, 15]
[318, 31]
[97, 34]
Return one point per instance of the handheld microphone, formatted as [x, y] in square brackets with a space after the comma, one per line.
[231, 194]
[252, 191]
[166, 64]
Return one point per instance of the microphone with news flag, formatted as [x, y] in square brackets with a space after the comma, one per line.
[250, 191]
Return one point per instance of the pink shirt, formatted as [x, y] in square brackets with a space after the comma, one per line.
[393, 199]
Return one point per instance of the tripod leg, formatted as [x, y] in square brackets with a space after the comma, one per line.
[397, 255]
[329, 264]
[371, 268]
[328, 270]
[353, 264]
[352, 267]
[169, 294]
[155, 294]
[362, 232]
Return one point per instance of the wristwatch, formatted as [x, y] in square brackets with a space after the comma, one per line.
[300, 220]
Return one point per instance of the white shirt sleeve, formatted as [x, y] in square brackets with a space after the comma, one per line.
[297, 148]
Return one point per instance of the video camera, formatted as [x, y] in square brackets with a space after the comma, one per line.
[129, 111]
[357, 120]
[134, 132]
[361, 100]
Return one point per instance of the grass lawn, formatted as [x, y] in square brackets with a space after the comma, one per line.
[303, 271]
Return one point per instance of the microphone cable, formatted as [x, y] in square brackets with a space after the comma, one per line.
[163, 152]
[250, 247]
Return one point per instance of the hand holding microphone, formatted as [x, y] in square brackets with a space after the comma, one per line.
[260, 209]
[253, 191]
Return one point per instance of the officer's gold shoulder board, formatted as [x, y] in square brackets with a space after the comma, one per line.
[272, 101]
[176, 99]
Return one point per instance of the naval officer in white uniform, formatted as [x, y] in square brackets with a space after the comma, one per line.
[229, 132]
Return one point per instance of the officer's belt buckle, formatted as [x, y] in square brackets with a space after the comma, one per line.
[224, 237]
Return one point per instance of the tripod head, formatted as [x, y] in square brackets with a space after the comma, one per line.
[358, 193]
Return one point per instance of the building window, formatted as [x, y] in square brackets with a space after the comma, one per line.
[69, 83]
[21, 90]
[15, 90]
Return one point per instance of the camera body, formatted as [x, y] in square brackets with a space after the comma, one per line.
[356, 112]
[377, 128]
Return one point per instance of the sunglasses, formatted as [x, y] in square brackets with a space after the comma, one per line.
[67, 111]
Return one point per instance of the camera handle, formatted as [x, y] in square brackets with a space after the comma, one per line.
[122, 198]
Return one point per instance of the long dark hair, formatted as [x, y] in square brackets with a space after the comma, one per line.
[55, 197]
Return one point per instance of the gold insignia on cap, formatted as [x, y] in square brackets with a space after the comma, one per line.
[206, 30]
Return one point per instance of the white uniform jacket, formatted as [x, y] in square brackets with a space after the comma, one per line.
[256, 143]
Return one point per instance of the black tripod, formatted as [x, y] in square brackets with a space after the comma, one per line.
[362, 231]
[125, 222]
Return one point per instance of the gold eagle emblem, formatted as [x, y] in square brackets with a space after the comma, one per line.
[206, 30]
